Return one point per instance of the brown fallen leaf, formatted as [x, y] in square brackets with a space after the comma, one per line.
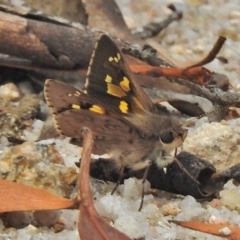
[221, 230]
[19, 197]
[91, 225]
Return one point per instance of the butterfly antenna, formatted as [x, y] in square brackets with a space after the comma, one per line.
[184, 170]
[191, 120]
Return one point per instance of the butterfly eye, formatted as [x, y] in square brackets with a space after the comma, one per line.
[166, 137]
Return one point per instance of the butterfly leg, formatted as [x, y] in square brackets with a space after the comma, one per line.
[121, 161]
[143, 181]
[119, 180]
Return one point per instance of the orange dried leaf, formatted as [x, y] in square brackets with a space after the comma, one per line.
[19, 197]
[156, 71]
[220, 230]
[198, 75]
[90, 222]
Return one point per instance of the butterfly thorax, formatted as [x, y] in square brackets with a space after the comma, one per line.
[151, 124]
[137, 151]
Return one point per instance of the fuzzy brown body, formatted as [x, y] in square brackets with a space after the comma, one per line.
[124, 121]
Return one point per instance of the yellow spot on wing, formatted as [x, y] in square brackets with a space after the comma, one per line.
[125, 84]
[123, 107]
[115, 59]
[97, 109]
[118, 56]
[115, 90]
[108, 79]
[76, 106]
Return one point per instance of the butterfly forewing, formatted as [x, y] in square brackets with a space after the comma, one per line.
[110, 80]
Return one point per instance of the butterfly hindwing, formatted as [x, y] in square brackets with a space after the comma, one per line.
[73, 109]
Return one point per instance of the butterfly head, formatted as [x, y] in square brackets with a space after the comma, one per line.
[173, 138]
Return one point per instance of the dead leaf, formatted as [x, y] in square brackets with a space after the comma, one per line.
[19, 197]
[220, 230]
[90, 222]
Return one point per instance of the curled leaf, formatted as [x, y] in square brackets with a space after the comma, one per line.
[220, 230]
[90, 222]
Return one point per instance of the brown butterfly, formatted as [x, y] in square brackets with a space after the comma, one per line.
[125, 123]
